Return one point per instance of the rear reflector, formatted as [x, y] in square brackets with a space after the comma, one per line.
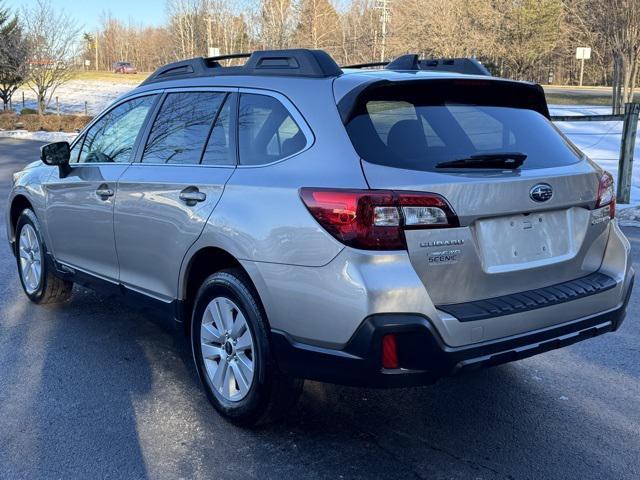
[376, 219]
[390, 352]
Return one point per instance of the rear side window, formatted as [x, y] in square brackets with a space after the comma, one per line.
[219, 150]
[181, 128]
[266, 131]
[417, 128]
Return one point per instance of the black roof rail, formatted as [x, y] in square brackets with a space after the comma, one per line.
[366, 65]
[292, 62]
[469, 66]
[230, 56]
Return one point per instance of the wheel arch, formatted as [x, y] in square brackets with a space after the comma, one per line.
[18, 205]
[197, 268]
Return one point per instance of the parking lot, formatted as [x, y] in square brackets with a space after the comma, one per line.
[96, 388]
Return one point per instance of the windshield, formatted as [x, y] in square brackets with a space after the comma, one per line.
[419, 128]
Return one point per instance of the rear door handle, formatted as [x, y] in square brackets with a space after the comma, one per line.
[191, 196]
[104, 192]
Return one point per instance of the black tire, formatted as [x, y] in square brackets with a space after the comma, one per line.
[51, 289]
[271, 394]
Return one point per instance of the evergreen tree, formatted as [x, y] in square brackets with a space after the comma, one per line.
[13, 55]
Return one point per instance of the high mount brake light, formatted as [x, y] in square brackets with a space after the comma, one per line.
[376, 219]
[607, 194]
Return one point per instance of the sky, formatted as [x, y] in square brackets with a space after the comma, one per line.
[87, 12]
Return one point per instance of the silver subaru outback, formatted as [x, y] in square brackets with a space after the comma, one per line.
[304, 221]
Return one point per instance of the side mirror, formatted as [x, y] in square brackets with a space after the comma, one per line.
[57, 154]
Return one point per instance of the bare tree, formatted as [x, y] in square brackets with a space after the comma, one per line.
[615, 25]
[359, 32]
[275, 20]
[52, 37]
[459, 28]
[529, 31]
[318, 25]
[13, 56]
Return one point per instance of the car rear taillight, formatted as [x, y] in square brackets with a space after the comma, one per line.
[376, 219]
[607, 194]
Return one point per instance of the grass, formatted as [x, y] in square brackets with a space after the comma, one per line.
[43, 123]
[92, 75]
[567, 98]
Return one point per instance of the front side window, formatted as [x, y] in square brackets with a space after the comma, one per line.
[181, 128]
[75, 150]
[266, 131]
[112, 138]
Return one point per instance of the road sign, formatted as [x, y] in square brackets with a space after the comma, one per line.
[214, 52]
[583, 53]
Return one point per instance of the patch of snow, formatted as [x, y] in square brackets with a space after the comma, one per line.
[72, 96]
[38, 136]
[600, 141]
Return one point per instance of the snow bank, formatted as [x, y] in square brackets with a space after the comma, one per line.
[38, 136]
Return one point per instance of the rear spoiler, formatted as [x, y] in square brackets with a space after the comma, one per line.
[497, 92]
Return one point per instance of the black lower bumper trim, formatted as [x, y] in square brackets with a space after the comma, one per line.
[592, 284]
[423, 356]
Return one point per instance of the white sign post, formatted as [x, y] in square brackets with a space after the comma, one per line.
[214, 52]
[582, 54]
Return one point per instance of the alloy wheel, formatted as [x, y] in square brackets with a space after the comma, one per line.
[227, 349]
[30, 259]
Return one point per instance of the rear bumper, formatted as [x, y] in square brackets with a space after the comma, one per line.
[423, 356]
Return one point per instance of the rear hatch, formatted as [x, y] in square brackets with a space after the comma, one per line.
[525, 197]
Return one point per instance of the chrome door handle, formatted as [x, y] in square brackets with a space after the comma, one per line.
[191, 196]
[104, 192]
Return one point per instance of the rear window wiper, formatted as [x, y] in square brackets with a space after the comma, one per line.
[499, 160]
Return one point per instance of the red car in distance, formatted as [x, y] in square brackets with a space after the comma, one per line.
[124, 67]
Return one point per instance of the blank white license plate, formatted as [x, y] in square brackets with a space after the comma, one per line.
[519, 240]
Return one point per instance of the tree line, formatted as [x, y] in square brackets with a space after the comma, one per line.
[522, 39]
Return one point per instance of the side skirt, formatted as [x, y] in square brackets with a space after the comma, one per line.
[173, 310]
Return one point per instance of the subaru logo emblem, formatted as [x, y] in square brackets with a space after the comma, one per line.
[541, 192]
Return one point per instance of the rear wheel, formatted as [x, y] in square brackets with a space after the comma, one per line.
[36, 277]
[230, 342]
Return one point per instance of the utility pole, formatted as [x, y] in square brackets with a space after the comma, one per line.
[97, 50]
[385, 16]
[209, 20]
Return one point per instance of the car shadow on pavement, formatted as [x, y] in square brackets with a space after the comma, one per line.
[70, 375]
[97, 386]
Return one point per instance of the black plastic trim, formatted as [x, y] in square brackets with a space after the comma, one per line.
[412, 62]
[297, 62]
[173, 310]
[423, 355]
[530, 300]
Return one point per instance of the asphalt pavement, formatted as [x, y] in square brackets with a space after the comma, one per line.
[96, 388]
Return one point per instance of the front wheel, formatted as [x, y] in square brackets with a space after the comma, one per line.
[36, 277]
[230, 343]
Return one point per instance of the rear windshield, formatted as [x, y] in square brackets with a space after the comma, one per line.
[421, 124]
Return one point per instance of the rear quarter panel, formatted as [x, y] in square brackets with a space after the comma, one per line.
[260, 217]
